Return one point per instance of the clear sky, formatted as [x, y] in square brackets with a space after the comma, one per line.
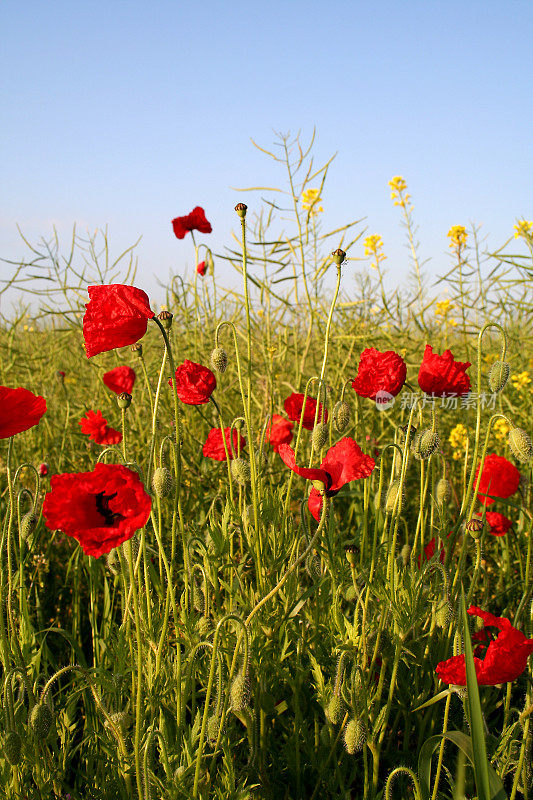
[127, 114]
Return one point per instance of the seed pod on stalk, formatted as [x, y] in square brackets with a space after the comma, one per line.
[498, 376]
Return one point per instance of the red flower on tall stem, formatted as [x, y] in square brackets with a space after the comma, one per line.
[100, 509]
[120, 379]
[499, 478]
[293, 408]
[95, 426]
[20, 410]
[278, 431]
[344, 462]
[498, 523]
[194, 383]
[200, 268]
[195, 221]
[214, 446]
[116, 315]
[442, 376]
[505, 659]
[379, 372]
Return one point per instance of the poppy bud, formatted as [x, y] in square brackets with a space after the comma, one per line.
[43, 469]
[213, 725]
[239, 693]
[354, 736]
[241, 210]
[240, 469]
[341, 416]
[162, 482]
[498, 376]
[474, 527]
[219, 359]
[443, 492]
[28, 524]
[261, 459]
[351, 552]
[165, 318]
[443, 616]
[320, 435]
[198, 599]
[111, 560]
[60, 376]
[428, 443]
[203, 627]
[124, 400]
[137, 348]
[392, 498]
[320, 487]
[520, 444]
[339, 256]
[209, 262]
[405, 553]
[335, 711]
[41, 719]
[412, 435]
[12, 748]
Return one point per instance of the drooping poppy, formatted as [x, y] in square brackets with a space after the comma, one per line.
[498, 523]
[278, 431]
[195, 221]
[379, 372]
[505, 659]
[120, 379]
[20, 410]
[344, 462]
[95, 426]
[499, 478]
[293, 408]
[200, 268]
[100, 509]
[194, 383]
[442, 376]
[214, 446]
[116, 315]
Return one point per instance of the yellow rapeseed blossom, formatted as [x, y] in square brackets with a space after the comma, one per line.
[500, 429]
[310, 201]
[458, 236]
[520, 380]
[374, 247]
[443, 307]
[398, 186]
[451, 321]
[458, 437]
[523, 228]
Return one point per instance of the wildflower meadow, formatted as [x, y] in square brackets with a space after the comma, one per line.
[274, 541]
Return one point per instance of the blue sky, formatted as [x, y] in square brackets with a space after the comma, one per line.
[127, 114]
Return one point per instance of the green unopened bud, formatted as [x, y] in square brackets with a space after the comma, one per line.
[498, 376]
[219, 359]
[13, 748]
[320, 487]
[240, 469]
[428, 443]
[474, 527]
[165, 318]
[162, 482]
[28, 524]
[395, 498]
[204, 625]
[213, 726]
[124, 400]
[261, 460]
[443, 616]
[520, 444]
[241, 209]
[320, 435]
[239, 693]
[112, 562]
[341, 416]
[41, 719]
[443, 492]
[198, 599]
[336, 710]
[209, 262]
[351, 553]
[405, 553]
[354, 736]
[412, 433]
[339, 256]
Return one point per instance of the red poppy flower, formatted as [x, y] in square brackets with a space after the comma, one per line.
[200, 268]
[42, 469]
[120, 379]
[379, 372]
[194, 383]
[293, 408]
[195, 221]
[20, 410]
[442, 376]
[499, 524]
[429, 551]
[344, 462]
[214, 446]
[499, 478]
[505, 659]
[101, 509]
[115, 316]
[95, 426]
[279, 431]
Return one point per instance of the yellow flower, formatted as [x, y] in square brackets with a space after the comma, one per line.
[373, 247]
[452, 322]
[500, 429]
[443, 307]
[398, 186]
[519, 380]
[310, 201]
[523, 228]
[458, 236]
[458, 437]
[457, 455]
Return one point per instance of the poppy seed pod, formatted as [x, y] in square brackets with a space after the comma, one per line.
[240, 469]
[351, 552]
[124, 400]
[474, 527]
[335, 711]
[428, 443]
[219, 359]
[339, 256]
[498, 376]
[520, 444]
[41, 719]
[320, 435]
[443, 491]
[12, 748]
[162, 482]
[239, 693]
[28, 524]
[120, 719]
[165, 318]
[241, 209]
[395, 497]
[354, 736]
[341, 416]
[261, 460]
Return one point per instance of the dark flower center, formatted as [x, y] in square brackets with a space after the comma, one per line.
[102, 506]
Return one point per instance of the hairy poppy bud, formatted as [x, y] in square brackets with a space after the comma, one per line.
[354, 736]
[162, 482]
[339, 256]
[28, 524]
[405, 553]
[428, 443]
[213, 725]
[219, 359]
[335, 711]
[395, 497]
[241, 210]
[520, 444]
[320, 435]
[198, 599]
[443, 616]
[261, 459]
[165, 318]
[12, 748]
[351, 552]
[443, 492]
[474, 527]
[240, 469]
[498, 376]
[41, 719]
[239, 692]
[112, 564]
[120, 719]
[412, 434]
[341, 416]
[137, 348]
[124, 400]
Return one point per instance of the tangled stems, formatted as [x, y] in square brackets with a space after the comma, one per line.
[414, 779]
